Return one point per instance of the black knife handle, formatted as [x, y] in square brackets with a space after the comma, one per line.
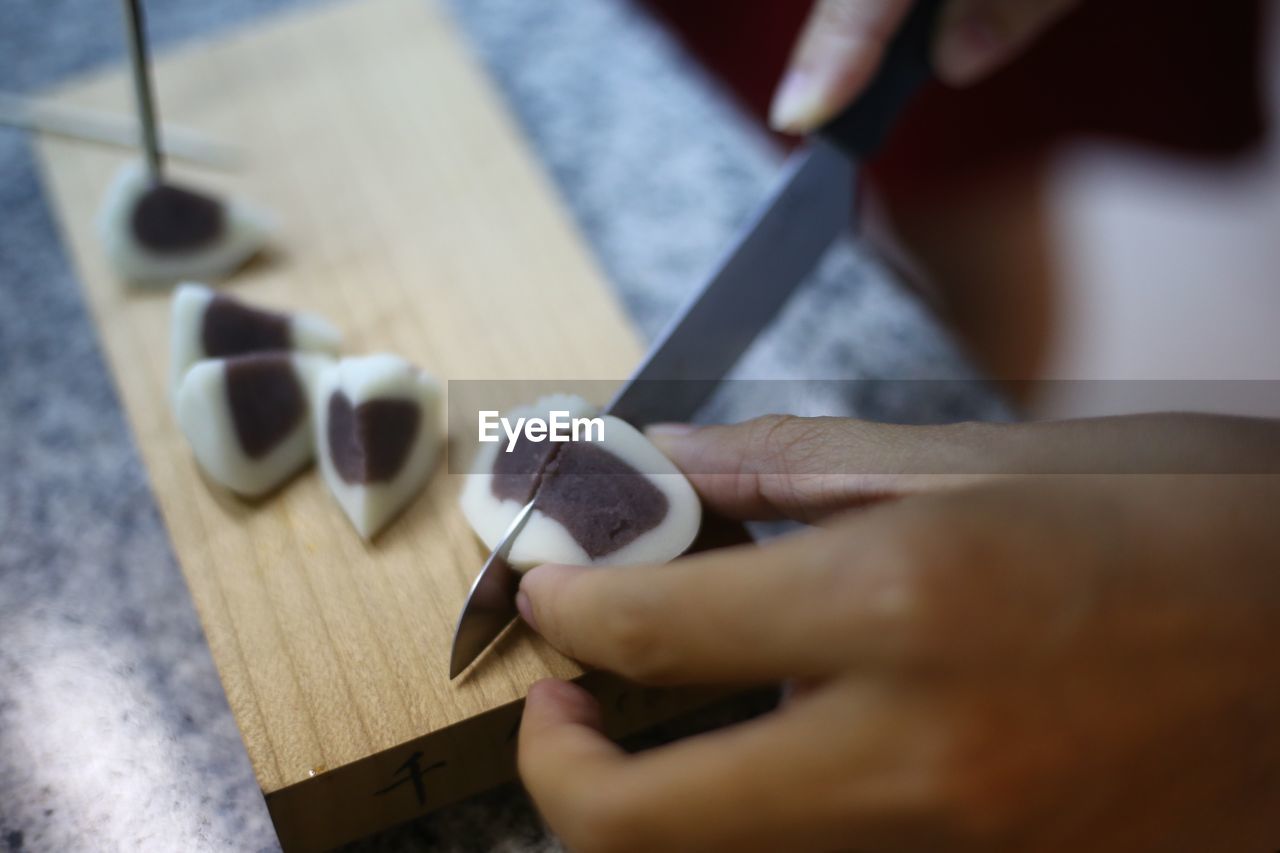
[907, 65]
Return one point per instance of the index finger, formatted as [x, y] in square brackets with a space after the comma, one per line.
[791, 608]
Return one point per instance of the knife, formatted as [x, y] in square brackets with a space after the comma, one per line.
[811, 204]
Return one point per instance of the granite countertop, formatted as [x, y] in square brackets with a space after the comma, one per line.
[114, 732]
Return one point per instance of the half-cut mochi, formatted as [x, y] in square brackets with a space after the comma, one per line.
[377, 428]
[206, 324]
[164, 233]
[247, 418]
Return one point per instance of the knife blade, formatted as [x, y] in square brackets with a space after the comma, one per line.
[773, 254]
[777, 249]
[491, 602]
[811, 204]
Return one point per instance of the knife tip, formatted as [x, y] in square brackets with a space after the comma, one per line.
[456, 666]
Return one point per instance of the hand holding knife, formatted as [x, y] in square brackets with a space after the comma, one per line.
[811, 206]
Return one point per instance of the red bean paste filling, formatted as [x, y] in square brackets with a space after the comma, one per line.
[369, 443]
[266, 399]
[169, 219]
[233, 328]
[602, 501]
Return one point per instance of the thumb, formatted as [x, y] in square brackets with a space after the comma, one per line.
[561, 726]
[781, 466]
[978, 36]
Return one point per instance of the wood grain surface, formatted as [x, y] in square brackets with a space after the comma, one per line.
[413, 217]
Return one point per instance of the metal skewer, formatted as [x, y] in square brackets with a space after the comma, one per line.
[142, 88]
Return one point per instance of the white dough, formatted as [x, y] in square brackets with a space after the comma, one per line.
[371, 505]
[246, 229]
[204, 414]
[307, 332]
[545, 540]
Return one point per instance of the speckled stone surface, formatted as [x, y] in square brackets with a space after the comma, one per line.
[114, 732]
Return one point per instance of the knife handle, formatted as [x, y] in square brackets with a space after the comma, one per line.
[907, 65]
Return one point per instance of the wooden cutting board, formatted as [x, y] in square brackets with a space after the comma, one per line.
[414, 217]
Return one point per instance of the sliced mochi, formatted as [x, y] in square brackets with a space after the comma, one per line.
[247, 417]
[206, 324]
[613, 502]
[163, 233]
[377, 427]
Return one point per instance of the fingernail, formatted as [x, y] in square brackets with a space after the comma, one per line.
[660, 430]
[799, 104]
[526, 609]
[670, 438]
[564, 701]
[539, 582]
[967, 51]
[558, 687]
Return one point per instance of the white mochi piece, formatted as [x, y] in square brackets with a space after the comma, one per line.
[236, 328]
[545, 539]
[245, 230]
[218, 398]
[375, 454]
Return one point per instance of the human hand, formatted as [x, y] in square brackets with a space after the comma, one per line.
[843, 42]
[1001, 660]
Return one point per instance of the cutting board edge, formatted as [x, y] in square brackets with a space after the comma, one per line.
[381, 791]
